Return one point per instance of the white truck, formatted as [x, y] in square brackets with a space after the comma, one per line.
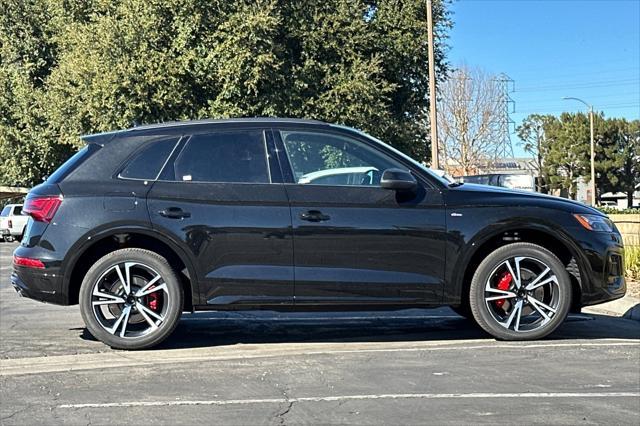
[12, 222]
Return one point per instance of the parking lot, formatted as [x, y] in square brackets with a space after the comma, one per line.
[417, 366]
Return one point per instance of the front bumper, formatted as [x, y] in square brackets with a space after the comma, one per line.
[602, 268]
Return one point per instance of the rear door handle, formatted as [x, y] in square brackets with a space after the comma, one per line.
[314, 216]
[174, 213]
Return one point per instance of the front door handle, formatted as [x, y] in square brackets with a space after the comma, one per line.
[314, 216]
[174, 213]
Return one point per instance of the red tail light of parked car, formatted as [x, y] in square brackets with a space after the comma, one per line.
[42, 209]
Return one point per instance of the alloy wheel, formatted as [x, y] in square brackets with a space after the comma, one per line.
[522, 294]
[130, 300]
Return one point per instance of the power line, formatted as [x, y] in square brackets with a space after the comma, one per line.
[633, 96]
[575, 65]
[609, 83]
[577, 74]
[599, 108]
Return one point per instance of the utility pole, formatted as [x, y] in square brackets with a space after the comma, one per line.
[593, 155]
[435, 164]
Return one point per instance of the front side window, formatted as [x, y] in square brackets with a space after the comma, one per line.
[17, 210]
[329, 159]
[147, 163]
[224, 157]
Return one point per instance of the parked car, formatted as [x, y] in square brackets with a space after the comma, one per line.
[12, 222]
[512, 181]
[143, 224]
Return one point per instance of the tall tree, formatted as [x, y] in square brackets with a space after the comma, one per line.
[70, 67]
[566, 151]
[531, 132]
[618, 157]
[467, 115]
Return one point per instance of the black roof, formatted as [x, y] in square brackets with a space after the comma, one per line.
[101, 138]
[226, 120]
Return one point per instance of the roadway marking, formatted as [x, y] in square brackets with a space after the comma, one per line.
[118, 359]
[530, 395]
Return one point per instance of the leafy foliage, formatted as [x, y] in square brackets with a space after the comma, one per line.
[618, 157]
[531, 132]
[566, 151]
[561, 146]
[71, 67]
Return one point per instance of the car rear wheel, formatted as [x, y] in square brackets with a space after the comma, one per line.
[131, 299]
[520, 291]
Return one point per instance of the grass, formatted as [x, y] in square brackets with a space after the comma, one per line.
[632, 262]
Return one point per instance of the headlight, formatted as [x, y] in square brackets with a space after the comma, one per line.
[594, 222]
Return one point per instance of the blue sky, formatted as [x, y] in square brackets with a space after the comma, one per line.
[588, 49]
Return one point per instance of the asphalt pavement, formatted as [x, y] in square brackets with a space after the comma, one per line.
[250, 368]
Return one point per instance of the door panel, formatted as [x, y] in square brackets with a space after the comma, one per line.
[373, 247]
[238, 235]
[238, 228]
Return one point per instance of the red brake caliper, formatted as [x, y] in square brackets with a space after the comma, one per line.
[503, 284]
[153, 300]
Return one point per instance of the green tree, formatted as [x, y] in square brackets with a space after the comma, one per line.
[618, 157]
[531, 132]
[71, 67]
[566, 151]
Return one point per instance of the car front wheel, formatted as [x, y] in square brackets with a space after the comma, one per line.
[520, 291]
[131, 299]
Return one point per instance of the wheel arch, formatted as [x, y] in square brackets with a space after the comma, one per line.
[554, 240]
[97, 245]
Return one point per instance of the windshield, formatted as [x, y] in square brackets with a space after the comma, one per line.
[5, 211]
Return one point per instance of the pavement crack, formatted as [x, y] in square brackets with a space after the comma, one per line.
[22, 410]
[281, 415]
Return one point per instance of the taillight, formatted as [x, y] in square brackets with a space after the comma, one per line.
[42, 209]
[28, 262]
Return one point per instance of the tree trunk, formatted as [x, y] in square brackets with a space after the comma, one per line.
[630, 198]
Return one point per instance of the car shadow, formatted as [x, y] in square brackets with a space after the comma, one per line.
[209, 329]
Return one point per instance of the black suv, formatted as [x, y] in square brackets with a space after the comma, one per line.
[143, 224]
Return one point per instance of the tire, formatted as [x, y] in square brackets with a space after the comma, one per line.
[9, 238]
[131, 299]
[533, 305]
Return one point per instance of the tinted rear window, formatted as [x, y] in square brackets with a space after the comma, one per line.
[148, 162]
[227, 157]
[72, 163]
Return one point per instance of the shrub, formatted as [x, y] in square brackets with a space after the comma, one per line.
[632, 262]
[611, 210]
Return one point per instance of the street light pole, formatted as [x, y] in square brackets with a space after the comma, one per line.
[433, 117]
[593, 155]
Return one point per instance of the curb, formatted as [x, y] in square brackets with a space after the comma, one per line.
[626, 307]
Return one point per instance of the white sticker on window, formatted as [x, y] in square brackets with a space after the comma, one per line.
[186, 177]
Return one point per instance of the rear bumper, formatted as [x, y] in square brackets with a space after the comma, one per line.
[42, 286]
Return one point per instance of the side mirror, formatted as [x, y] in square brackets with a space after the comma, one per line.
[398, 180]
